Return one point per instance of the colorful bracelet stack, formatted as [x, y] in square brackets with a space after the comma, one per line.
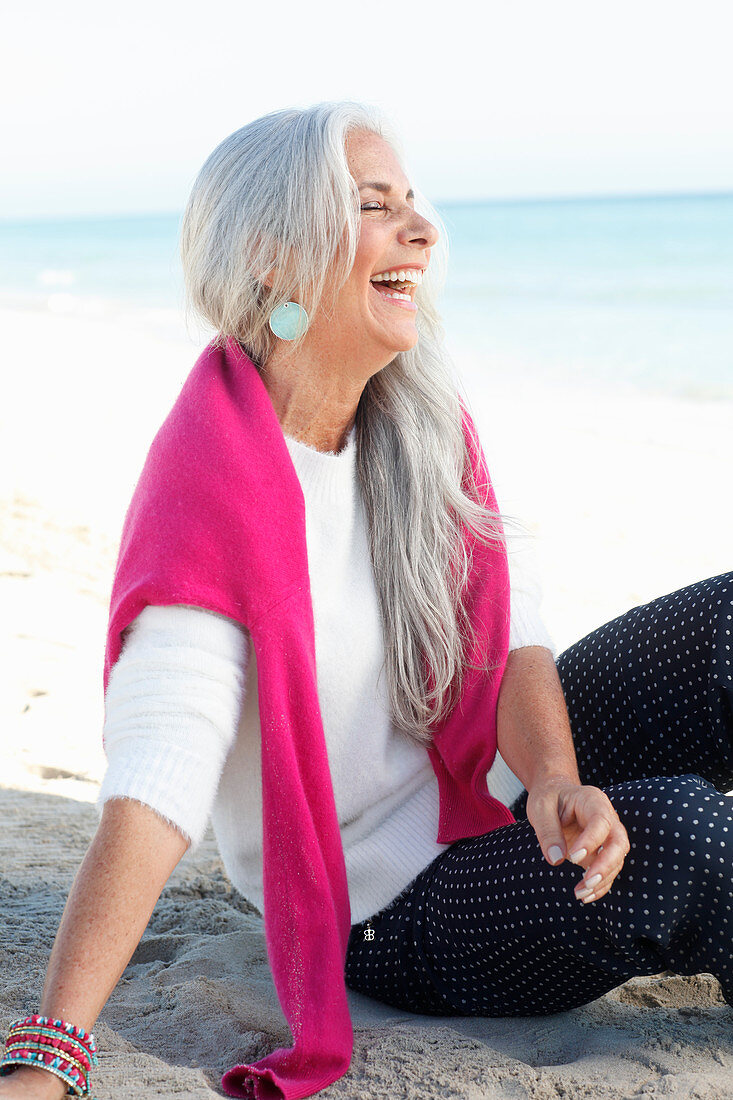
[67, 1051]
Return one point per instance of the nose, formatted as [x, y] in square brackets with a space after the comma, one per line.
[419, 231]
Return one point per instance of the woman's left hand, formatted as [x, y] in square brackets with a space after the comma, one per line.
[575, 818]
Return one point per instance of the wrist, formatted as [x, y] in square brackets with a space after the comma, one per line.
[555, 778]
[58, 1049]
[36, 1083]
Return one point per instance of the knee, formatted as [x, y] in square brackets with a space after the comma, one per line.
[679, 800]
[679, 816]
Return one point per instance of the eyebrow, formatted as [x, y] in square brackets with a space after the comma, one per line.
[384, 188]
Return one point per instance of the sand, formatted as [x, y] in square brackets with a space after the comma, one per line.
[626, 497]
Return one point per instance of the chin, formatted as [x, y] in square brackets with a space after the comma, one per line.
[412, 343]
[404, 342]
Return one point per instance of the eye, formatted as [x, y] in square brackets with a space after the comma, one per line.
[373, 205]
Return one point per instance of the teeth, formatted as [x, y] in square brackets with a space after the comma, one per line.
[407, 276]
[395, 294]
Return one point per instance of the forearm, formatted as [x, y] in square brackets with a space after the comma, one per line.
[119, 881]
[113, 895]
[533, 728]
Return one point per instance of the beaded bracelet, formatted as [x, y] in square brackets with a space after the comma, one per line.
[68, 1052]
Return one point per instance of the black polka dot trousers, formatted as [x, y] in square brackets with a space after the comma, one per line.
[489, 928]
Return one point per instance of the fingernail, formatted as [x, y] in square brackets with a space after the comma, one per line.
[582, 893]
[580, 854]
[555, 853]
[591, 897]
[594, 881]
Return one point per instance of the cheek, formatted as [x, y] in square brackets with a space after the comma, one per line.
[370, 250]
[356, 290]
[345, 301]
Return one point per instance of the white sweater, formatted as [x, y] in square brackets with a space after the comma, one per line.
[182, 731]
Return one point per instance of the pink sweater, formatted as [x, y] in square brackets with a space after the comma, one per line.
[217, 519]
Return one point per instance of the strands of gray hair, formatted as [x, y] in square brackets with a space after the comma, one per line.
[274, 216]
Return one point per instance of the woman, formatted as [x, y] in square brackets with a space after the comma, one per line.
[316, 511]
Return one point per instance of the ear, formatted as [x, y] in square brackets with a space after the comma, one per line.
[268, 278]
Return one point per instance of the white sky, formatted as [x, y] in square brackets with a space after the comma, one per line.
[110, 109]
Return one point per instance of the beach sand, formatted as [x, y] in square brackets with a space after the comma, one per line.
[627, 499]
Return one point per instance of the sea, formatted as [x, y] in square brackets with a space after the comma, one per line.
[629, 293]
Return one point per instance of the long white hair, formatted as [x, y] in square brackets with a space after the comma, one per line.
[276, 198]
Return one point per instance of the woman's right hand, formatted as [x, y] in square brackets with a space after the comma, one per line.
[26, 1083]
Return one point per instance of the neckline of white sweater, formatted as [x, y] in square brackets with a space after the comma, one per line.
[346, 451]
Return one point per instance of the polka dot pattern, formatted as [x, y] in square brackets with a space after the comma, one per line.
[489, 928]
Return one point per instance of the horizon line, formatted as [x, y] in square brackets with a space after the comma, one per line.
[498, 200]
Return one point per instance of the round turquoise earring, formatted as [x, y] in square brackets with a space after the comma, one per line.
[289, 321]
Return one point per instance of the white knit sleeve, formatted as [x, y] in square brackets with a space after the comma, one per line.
[172, 707]
[526, 625]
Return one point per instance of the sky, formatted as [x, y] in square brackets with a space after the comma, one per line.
[112, 109]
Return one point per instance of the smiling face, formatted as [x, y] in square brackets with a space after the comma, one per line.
[377, 315]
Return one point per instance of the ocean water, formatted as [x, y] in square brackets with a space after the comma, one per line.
[631, 293]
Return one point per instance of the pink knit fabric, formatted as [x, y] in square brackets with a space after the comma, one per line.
[217, 519]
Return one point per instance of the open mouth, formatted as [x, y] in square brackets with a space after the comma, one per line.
[399, 285]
